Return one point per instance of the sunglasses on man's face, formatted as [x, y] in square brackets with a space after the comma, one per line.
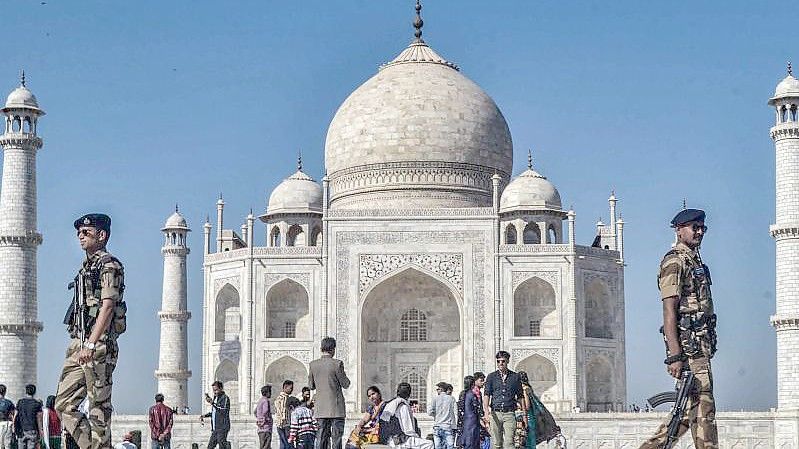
[501, 361]
[85, 232]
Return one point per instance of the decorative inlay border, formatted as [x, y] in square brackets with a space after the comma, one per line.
[552, 277]
[448, 266]
[184, 315]
[430, 212]
[302, 355]
[27, 239]
[779, 232]
[232, 280]
[551, 354]
[303, 279]
[782, 323]
[32, 328]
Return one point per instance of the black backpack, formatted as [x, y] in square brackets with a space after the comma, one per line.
[391, 430]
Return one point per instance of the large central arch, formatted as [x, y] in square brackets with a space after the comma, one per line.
[411, 332]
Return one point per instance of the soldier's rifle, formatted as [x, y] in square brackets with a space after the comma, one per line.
[76, 313]
[679, 396]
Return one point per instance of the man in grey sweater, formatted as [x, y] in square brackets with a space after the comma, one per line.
[443, 410]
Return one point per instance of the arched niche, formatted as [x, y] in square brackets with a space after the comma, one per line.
[295, 236]
[598, 310]
[599, 385]
[228, 373]
[390, 352]
[274, 237]
[510, 234]
[534, 309]
[227, 323]
[543, 376]
[316, 237]
[531, 234]
[286, 368]
[287, 311]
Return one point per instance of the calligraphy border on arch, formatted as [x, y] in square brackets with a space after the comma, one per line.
[551, 354]
[372, 267]
[552, 277]
[345, 239]
[303, 279]
[232, 280]
[301, 355]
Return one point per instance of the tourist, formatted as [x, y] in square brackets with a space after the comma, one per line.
[306, 396]
[283, 414]
[502, 396]
[397, 425]
[29, 419]
[263, 418]
[220, 416]
[366, 431]
[326, 375]
[470, 415]
[7, 410]
[442, 409]
[51, 425]
[303, 426]
[160, 424]
[126, 443]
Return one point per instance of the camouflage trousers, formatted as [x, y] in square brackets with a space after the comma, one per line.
[700, 414]
[92, 382]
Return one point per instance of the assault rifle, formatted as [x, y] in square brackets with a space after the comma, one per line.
[75, 317]
[680, 399]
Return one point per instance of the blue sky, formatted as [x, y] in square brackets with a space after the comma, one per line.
[152, 103]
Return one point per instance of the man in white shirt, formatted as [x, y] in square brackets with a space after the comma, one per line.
[443, 410]
[397, 425]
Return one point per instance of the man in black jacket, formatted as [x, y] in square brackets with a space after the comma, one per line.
[220, 416]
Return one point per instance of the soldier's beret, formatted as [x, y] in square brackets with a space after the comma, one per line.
[688, 215]
[99, 221]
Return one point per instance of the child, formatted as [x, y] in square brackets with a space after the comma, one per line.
[303, 426]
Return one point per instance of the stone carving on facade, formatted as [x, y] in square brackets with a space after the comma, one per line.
[304, 356]
[551, 354]
[230, 350]
[447, 266]
[303, 279]
[610, 280]
[449, 212]
[345, 239]
[232, 280]
[551, 277]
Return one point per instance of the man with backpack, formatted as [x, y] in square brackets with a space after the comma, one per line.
[398, 426]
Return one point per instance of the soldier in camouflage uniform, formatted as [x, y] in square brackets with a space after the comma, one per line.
[95, 320]
[689, 328]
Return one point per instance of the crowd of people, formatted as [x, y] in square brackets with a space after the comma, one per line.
[498, 411]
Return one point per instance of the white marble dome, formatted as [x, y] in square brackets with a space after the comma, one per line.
[530, 191]
[418, 117]
[298, 193]
[788, 87]
[176, 221]
[22, 97]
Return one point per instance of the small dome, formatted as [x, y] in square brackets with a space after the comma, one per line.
[788, 87]
[529, 191]
[23, 98]
[176, 221]
[298, 193]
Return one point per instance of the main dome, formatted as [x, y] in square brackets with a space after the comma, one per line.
[417, 134]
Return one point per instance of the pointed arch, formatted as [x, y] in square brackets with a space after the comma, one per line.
[599, 313]
[227, 372]
[543, 375]
[535, 309]
[295, 236]
[599, 385]
[510, 234]
[287, 308]
[531, 234]
[227, 316]
[286, 368]
[274, 237]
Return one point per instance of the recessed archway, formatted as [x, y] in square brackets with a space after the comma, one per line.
[411, 330]
[534, 309]
[286, 368]
[227, 319]
[543, 376]
[228, 373]
[599, 385]
[287, 311]
[598, 311]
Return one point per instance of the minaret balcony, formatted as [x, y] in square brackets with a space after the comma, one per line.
[176, 315]
[31, 328]
[781, 322]
[26, 140]
[784, 231]
[173, 374]
[29, 238]
[787, 130]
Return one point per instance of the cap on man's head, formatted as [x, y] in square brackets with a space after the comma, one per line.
[687, 216]
[99, 221]
[442, 385]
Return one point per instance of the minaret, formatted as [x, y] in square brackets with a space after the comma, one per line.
[19, 241]
[173, 360]
[786, 234]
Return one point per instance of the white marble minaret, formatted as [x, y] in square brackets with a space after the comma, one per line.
[173, 360]
[19, 242]
[786, 233]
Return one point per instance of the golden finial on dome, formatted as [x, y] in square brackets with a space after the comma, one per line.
[418, 22]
